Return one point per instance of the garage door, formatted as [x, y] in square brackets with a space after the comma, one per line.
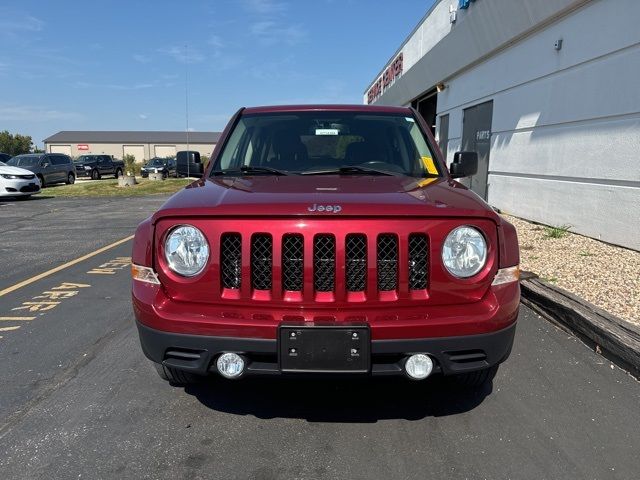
[164, 151]
[66, 149]
[136, 150]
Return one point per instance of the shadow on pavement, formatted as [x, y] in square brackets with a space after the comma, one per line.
[343, 400]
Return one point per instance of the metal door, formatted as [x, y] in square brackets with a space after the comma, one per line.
[476, 137]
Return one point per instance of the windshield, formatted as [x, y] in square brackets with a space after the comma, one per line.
[156, 162]
[83, 158]
[310, 142]
[24, 161]
[2, 164]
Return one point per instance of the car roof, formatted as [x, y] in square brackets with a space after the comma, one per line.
[328, 108]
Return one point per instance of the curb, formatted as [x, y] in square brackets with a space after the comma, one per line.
[611, 336]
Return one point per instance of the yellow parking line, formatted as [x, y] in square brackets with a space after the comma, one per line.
[63, 266]
[13, 319]
[8, 329]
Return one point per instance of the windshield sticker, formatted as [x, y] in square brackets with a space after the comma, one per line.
[409, 119]
[327, 131]
[430, 165]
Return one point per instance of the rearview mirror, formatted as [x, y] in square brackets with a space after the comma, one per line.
[465, 164]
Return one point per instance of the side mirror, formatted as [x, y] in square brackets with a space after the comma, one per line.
[465, 164]
[45, 164]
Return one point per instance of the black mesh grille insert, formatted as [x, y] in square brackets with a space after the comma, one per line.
[292, 262]
[324, 263]
[356, 256]
[418, 261]
[387, 262]
[261, 261]
[231, 260]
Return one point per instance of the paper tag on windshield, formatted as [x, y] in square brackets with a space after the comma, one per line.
[327, 131]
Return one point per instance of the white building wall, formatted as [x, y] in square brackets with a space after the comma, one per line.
[566, 124]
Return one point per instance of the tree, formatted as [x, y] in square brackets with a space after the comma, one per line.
[15, 144]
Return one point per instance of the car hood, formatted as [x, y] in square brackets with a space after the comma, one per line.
[347, 195]
[8, 170]
[87, 162]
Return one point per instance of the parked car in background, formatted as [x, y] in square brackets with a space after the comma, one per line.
[17, 182]
[48, 167]
[166, 166]
[4, 157]
[189, 164]
[96, 166]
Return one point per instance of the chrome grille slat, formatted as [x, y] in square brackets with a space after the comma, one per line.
[324, 262]
[261, 261]
[292, 262]
[418, 261]
[356, 262]
[387, 253]
[231, 260]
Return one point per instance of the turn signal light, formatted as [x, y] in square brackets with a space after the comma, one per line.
[507, 275]
[144, 274]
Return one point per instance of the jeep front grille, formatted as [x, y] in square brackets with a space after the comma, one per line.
[261, 260]
[324, 263]
[231, 260]
[356, 262]
[324, 266]
[292, 262]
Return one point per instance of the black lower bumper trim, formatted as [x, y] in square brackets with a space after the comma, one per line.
[196, 353]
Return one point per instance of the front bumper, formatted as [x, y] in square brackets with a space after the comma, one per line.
[452, 355]
[81, 172]
[19, 187]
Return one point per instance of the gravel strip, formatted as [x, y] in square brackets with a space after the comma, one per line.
[603, 274]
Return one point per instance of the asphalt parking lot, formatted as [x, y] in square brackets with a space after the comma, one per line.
[79, 400]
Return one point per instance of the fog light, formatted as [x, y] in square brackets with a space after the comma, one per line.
[418, 366]
[230, 365]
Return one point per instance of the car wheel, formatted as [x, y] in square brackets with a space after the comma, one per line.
[164, 175]
[41, 178]
[118, 173]
[474, 380]
[95, 175]
[71, 179]
[175, 376]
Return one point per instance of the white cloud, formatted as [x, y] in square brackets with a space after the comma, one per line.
[143, 116]
[183, 54]
[270, 32]
[13, 21]
[142, 58]
[114, 86]
[34, 114]
[264, 7]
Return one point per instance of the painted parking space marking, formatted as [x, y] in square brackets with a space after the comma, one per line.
[31, 280]
[51, 298]
[111, 267]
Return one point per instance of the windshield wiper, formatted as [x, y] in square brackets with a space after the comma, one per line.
[247, 169]
[348, 169]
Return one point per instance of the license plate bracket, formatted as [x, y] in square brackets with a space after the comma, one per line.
[324, 349]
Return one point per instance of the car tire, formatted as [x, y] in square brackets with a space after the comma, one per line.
[95, 175]
[474, 380]
[71, 179]
[175, 376]
[23, 197]
[41, 178]
[118, 173]
[164, 175]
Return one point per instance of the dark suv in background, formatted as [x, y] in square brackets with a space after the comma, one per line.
[48, 167]
[166, 166]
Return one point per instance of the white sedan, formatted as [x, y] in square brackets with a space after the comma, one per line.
[17, 182]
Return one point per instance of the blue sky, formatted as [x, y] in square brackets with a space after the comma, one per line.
[117, 65]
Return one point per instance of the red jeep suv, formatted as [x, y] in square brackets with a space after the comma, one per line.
[327, 240]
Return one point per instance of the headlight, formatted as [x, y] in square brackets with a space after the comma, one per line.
[464, 252]
[87, 167]
[186, 250]
[8, 177]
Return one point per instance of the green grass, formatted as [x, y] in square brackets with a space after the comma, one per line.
[109, 188]
[556, 232]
